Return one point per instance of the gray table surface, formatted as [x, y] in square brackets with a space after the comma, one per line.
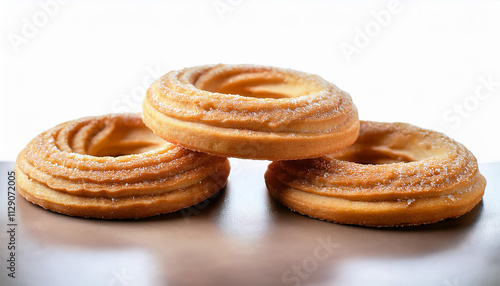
[242, 237]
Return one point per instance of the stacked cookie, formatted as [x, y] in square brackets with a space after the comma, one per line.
[328, 164]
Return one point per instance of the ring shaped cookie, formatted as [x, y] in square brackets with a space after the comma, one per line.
[395, 174]
[113, 166]
[253, 112]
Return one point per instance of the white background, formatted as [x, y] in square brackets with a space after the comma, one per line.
[422, 62]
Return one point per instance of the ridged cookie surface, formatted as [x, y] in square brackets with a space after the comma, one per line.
[113, 166]
[395, 174]
[253, 112]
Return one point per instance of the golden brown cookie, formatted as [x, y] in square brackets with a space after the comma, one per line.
[253, 112]
[113, 166]
[396, 174]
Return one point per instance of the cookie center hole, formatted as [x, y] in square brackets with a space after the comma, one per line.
[374, 156]
[115, 139]
[125, 141]
[258, 85]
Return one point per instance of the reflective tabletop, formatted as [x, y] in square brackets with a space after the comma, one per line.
[241, 236]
